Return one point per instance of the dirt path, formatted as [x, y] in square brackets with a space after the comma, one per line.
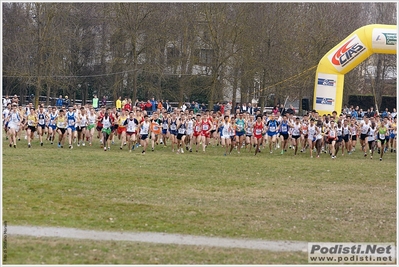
[159, 238]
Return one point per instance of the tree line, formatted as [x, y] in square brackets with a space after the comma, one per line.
[205, 52]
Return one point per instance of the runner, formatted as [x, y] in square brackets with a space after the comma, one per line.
[31, 123]
[249, 138]
[121, 131]
[319, 137]
[258, 130]
[144, 131]
[364, 129]
[332, 138]
[296, 134]
[190, 132]
[71, 130]
[41, 126]
[6, 112]
[284, 133]
[91, 125]
[106, 131]
[131, 125]
[197, 131]
[173, 131]
[226, 130]
[52, 126]
[339, 140]
[354, 130]
[346, 134]
[14, 124]
[181, 133]
[312, 133]
[304, 133]
[372, 131]
[205, 131]
[82, 125]
[382, 131]
[392, 132]
[240, 131]
[61, 122]
[165, 127]
[100, 116]
[155, 129]
[271, 129]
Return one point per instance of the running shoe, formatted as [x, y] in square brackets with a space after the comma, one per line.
[41, 144]
[380, 159]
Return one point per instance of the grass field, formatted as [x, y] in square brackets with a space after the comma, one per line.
[270, 196]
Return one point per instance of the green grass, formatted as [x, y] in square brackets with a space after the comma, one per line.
[30, 250]
[270, 196]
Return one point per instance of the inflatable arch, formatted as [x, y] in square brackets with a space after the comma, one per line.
[357, 47]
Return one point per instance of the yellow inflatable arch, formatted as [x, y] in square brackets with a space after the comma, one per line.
[362, 43]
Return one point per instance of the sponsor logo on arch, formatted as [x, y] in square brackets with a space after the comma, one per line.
[347, 52]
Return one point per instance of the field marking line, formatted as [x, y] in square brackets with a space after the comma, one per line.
[158, 238]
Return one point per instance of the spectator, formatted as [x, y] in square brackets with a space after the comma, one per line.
[221, 109]
[59, 102]
[160, 104]
[154, 105]
[124, 101]
[291, 110]
[355, 114]
[6, 101]
[393, 114]
[118, 104]
[128, 105]
[104, 101]
[15, 99]
[275, 110]
[385, 113]
[244, 107]
[67, 102]
[216, 107]
[167, 106]
[148, 107]
[228, 106]
[196, 107]
[371, 113]
[95, 102]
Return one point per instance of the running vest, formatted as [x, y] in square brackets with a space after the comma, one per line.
[173, 125]
[106, 122]
[182, 128]
[240, 125]
[284, 127]
[144, 128]
[71, 118]
[41, 117]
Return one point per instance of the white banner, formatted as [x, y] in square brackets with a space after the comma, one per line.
[384, 39]
[326, 92]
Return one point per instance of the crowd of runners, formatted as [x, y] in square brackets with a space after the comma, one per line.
[234, 130]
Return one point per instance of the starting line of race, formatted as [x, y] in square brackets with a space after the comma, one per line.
[158, 238]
